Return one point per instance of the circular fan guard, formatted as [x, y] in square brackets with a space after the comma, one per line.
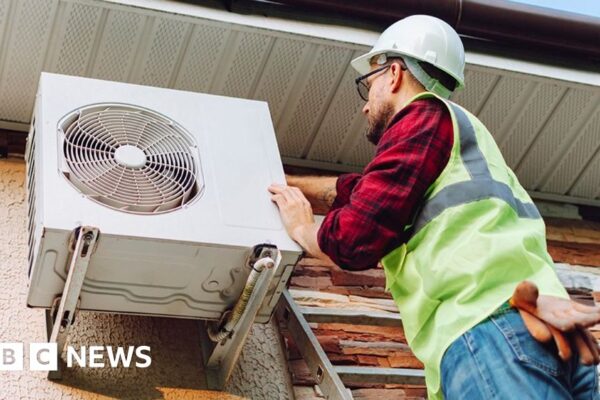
[130, 159]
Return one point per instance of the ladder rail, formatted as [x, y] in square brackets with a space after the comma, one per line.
[332, 379]
[318, 363]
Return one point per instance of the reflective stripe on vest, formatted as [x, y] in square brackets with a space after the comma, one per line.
[481, 185]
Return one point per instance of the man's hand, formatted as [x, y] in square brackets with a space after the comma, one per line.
[298, 219]
[550, 317]
[296, 212]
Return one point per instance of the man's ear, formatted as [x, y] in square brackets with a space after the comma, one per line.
[397, 76]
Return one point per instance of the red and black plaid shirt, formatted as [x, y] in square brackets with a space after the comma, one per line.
[371, 209]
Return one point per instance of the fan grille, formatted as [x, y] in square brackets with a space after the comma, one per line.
[130, 159]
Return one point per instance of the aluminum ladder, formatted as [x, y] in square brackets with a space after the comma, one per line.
[332, 379]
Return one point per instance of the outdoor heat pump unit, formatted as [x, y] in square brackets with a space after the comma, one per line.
[153, 201]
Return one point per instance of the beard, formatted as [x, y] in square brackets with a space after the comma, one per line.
[378, 123]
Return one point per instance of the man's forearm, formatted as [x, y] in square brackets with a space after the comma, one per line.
[319, 190]
[306, 236]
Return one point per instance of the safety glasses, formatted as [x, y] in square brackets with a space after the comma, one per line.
[361, 84]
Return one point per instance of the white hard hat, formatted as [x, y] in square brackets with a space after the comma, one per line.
[424, 38]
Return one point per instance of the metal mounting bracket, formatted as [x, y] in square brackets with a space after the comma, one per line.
[60, 318]
[220, 358]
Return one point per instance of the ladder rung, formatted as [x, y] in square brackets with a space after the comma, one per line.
[338, 315]
[402, 376]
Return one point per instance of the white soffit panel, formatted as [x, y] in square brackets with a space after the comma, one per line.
[503, 104]
[544, 118]
[280, 72]
[201, 59]
[296, 129]
[25, 43]
[481, 83]
[77, 36]
[561, 129]
[577, 160]
[243, 60]
[342, 125]
[161, 55]
[3, 22]
[119, 40]
[542, 101]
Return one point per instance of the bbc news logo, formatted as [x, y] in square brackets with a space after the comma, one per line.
[44, 356]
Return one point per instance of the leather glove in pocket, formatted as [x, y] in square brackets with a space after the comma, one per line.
[562, 320]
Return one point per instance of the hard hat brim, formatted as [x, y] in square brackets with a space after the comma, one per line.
[362, 63]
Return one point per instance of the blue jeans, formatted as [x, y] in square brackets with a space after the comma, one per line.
[499, 359]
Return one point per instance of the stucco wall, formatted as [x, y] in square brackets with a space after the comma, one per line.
[176, 370]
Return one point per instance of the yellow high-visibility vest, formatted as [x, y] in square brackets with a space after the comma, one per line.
[477, 235]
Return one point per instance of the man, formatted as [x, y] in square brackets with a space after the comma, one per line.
[457, 235]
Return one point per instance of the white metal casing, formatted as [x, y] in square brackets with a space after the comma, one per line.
[184, 263]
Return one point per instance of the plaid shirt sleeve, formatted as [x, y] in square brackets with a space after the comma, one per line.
[371, 210]
[343, 187]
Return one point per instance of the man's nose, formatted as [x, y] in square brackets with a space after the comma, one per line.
[365, 108]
